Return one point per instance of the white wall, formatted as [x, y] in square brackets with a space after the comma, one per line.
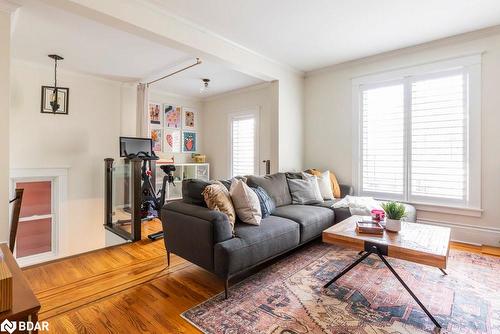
[328, 122]
[216, 113]
[79, 141]
[4, 123]
[291, 125]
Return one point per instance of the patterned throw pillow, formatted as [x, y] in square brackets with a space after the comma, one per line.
[267, 205]
[217, 198]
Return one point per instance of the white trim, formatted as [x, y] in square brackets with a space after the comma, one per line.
[466, 233]
[59, 178]
[425, 68]
[8, 6]
[253, 112]
[470, 66]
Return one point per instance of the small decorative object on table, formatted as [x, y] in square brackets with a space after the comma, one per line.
[394, 212]
[5, 285]
[199, 158]
[366, 225]
[378, 215]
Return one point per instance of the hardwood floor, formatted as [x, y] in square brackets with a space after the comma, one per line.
[128, 288]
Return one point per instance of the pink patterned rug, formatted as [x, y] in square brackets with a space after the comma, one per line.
[287, 297]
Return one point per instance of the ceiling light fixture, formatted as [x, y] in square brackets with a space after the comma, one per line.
[204, 85]
[54, 102]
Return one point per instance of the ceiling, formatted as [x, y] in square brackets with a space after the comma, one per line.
[96, 49]
[316, 33]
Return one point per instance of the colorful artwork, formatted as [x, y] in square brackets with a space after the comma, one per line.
[189, 141]
[156, 136]
[189, 118]
[172, 141]
[155, 113]
[172, 116]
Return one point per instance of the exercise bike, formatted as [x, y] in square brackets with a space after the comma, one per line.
[151, 202]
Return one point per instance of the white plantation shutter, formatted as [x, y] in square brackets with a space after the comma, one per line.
[439, 137]
[382, 166]
[243, 155]
[419, 134]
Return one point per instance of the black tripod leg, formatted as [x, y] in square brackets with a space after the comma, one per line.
[349, 267]
[444, 272]
[409, 290]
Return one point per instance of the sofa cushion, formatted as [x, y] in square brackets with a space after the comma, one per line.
[267, 205]
[217, 198]
[254, 244]
[246, 203]
[192, 191]
[275, 185]
[305, 191]
[312, 219]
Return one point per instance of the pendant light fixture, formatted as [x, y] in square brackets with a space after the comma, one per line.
[204, 85]
[54, 101]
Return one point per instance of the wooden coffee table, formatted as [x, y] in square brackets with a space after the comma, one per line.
[419, 243]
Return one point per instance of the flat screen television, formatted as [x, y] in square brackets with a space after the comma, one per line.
[133, 145]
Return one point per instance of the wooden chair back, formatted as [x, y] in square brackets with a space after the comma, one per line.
[16, 211]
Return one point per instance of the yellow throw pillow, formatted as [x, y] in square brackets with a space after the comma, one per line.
[217, 198]
[333, 179]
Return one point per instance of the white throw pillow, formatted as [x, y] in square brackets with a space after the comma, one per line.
[325, 185]
[245, 202]
[315, 185]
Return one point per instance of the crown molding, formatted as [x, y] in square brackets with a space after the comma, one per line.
[7, 6]
[460, 38]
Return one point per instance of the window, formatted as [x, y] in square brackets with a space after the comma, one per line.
[41, 213]
[244, 147]
[419, 134]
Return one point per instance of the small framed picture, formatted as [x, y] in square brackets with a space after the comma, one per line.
[172, 141]
[155, 114]
[189, 118]
[172, 116]
[62, 100]
[156, 136]
[189, 142]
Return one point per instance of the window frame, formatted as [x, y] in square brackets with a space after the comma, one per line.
[471, 67]
[244, 114]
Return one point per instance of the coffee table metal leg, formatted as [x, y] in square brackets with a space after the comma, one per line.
[346, 269]
[378, 252]
[444, 272]
[409, 290]
[361, 252]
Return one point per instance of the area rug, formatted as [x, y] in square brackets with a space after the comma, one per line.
[288, 297]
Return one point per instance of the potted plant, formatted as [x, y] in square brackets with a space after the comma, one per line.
[394, 212]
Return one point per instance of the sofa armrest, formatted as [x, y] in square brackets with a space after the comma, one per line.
[346, 190]
[191, 231]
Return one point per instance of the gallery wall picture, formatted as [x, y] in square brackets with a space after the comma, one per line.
[189, 142]
[155, 114]
[62, 100]
[189, 118]
[172, 141]
[156, 136]
[172, 116]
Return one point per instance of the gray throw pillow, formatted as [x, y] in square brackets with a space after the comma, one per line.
[304, 191]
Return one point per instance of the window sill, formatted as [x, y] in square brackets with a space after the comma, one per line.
[442, 208]
[448, 209]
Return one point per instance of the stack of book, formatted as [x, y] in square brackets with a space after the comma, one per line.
[369, 227]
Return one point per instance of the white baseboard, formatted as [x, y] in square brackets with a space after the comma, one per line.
[476, 235]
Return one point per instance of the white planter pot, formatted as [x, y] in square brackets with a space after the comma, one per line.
[393, 225]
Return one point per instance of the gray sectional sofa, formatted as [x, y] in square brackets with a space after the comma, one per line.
[204, 237]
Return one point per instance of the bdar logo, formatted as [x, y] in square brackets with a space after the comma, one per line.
[8, 326]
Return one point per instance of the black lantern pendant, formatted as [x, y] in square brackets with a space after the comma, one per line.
[54, 98]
